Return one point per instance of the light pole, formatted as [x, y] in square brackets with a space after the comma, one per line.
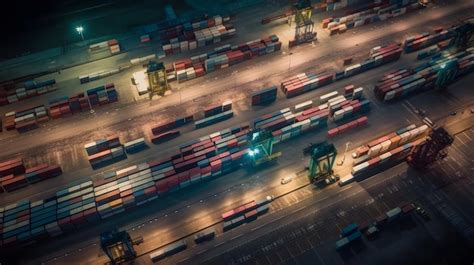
[344, 156]
[79, 30]
[289, 61]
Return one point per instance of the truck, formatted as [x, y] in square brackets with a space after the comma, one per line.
[393, 214]
[168, 250]
[205, 235]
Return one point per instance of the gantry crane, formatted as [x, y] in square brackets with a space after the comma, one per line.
[299, 15]
[322, 160]
[118, 246]
[463, 34]
[304, 24]
[261, 147]
[434, 148]
[157, 81]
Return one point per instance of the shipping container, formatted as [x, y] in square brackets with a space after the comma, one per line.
[204, 235]
[349, 229]
[169, 250]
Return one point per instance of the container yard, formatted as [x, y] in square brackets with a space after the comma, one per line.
[238, 132]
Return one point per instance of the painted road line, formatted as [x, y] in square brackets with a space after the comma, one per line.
[256, 228]
[235, 237]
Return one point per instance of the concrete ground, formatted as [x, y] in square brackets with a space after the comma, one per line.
[133, 120]
[200, 205]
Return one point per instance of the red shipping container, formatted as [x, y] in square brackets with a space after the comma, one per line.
[333, 132]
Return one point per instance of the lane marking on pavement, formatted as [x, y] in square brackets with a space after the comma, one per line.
[219, 244]
[183, 260]
[258, 227]
[299, 209]
[202, 251]
[346, 188]
[237, 236]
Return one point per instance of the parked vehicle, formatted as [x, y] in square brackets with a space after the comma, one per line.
[286, 180]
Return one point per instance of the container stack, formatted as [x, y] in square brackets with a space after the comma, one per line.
[85, 203]
[305, 82]
[164, 137]
[394, 155]
[170, 124]
[421, 41]
[402, 82]
[216, 109]
[307, 120]
[275, 120]
[145, 38]
[398, 144]
[29, 89]
[223, 57]
[168, 250]
[135, 146]
[97, 75]
[264, 96]
[102, 95]
[42, 172]
[198, 38]
[245, 213]
[111, 45]
[64, 106]
[183, 36]
[16, 222]
[209, 120]
[347, 108]
[14, 175]
[76, 208]
[431, 51]
[347, 126]
[367, 16]
[390, 141]
[104, 151]
[27, 119]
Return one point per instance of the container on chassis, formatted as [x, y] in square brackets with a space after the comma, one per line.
[169, 250]
[205, 235]
[164, 137]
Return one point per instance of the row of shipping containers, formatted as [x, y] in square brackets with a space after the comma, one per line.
[104, 151]
[426, 39]
[200, 159]
[198, 38]
[31, 118]
[14, 175]
[26, 119]
[135, 146]
[264, 96]
[111, 45]
[221, 57]
[85, 203]
[371, 15]
[180, 31]
[347, 126]
[30, 88]
[97, 75]
[353, 232]
[305, 82]
[286, 124]
[170, 124]
[399, 83]
[246, 216]
[387, 149]
[245, 213]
